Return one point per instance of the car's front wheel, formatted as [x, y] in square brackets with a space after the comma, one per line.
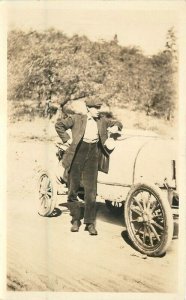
[148, 219]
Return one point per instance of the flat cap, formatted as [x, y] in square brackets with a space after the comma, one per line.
[90, 102]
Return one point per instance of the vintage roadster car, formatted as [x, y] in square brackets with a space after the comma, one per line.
[141, 183]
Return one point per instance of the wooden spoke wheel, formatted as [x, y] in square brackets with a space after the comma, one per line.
[47, 193]
[148, 219]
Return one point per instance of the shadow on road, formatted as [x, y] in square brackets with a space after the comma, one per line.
[56, 213]
[105, 215]
[126, 238]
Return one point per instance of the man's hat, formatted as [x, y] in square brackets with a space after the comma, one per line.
[93, 102]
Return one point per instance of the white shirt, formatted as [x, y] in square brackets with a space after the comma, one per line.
[91, 130]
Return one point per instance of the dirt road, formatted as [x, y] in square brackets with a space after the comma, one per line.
[43, 255]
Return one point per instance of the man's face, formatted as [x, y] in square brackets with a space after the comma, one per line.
[94, 111]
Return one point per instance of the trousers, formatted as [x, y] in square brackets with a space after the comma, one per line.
[84, 169]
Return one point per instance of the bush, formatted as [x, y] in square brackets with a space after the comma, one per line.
[49, 66]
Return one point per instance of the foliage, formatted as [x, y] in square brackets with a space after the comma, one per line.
[49, 66]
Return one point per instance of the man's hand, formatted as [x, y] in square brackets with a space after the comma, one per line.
[69, 142]
[110, 143]
[113, 129]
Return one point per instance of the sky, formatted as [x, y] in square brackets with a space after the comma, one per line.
[145, 27]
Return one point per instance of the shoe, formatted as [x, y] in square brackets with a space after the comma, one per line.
[91, 228]
[75, 226]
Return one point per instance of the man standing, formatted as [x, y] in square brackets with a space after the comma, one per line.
[87, 154]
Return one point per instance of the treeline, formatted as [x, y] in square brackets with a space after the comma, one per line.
[50, 66]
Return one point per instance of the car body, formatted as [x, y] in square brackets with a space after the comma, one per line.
[141, 180]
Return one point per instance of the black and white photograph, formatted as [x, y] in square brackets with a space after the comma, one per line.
[95, 146]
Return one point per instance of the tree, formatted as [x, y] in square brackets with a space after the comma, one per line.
[171, 44]
[50, 67]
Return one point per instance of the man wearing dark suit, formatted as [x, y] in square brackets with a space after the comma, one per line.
[87, 154]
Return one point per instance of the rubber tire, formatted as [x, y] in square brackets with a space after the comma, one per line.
[47, 212]
[117, 211]
[168, 219]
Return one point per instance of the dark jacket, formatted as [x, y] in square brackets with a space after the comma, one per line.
[77, 123]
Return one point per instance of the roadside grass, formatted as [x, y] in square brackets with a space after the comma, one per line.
[39, 129]
[139, 120]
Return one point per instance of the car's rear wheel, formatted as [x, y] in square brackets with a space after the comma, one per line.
[47, 192]
[148, 219]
